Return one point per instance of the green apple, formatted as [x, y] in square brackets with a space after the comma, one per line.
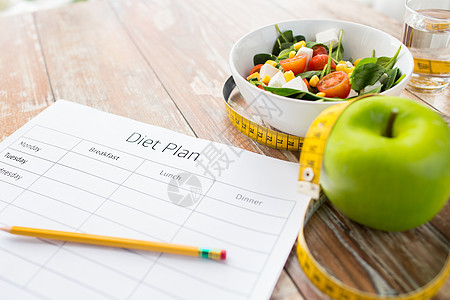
[385, 170]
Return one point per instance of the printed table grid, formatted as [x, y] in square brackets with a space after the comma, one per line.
[107, 199]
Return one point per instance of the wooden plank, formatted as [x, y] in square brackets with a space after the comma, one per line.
[92, 60]
[191, 61]
[236, 19]
[24, 86]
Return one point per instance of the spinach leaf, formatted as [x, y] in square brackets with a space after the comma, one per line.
[327, 69]
[383, 60]
[370, 69]
[285, 51]
[299, 38]
[367, 60]
[389, 81]
[400, 78]
[286, 92]
[330, 55]
[261, 58]
[366, 74]
[287, 36]
[285, 46]
[311, 96]
[255, 82]
[284, 54]
[284, 37]
[276, 47]
[296, 94]
[374, 91]
[390, 64]
[309, 74]
[312, 44]
[338, 54]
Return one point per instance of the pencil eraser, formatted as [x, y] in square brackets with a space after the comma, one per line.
[223, 254]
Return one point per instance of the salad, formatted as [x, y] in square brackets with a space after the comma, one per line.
[317, 71]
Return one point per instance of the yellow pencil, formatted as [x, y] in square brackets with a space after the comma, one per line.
[117, 242]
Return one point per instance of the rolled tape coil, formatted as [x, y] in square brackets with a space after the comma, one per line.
[312, 149]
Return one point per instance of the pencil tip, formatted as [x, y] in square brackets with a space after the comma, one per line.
[7, 228]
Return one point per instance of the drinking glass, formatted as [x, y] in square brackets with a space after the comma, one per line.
[427, 35]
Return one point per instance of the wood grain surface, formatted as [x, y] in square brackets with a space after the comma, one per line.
[164, 62]
[103, 68]
[24, 85]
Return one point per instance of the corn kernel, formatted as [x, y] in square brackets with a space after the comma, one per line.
[292, 54]
[341, 67]
[321, 94]
[272, 63]
[266, 79]
[349, 70]
[314, 80]
[254, 75]
[299, 45]
[357, 61]
[289, 75]
[342, 62]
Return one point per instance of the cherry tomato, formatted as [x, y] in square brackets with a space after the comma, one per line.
[296, 64]
[319, 49]
[319, 61]
[335, 84]
[306, 82]
[255, 69]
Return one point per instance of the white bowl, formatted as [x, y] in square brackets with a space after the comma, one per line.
[295, 116]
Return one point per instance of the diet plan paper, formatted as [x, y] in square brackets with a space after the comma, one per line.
[74, 168]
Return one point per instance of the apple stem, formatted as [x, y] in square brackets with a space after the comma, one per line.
[390, 122]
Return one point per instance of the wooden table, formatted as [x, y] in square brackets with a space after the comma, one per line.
[164, 62]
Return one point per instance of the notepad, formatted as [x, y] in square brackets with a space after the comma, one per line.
[74, 168]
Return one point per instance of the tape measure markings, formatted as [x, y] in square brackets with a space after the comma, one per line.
[434, 26]
[259, 133]
[312, 149]
[429, 66]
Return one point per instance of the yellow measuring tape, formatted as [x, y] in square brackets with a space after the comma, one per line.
[431, 67]
[434, 26]
[312, 148]
[257, 132]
